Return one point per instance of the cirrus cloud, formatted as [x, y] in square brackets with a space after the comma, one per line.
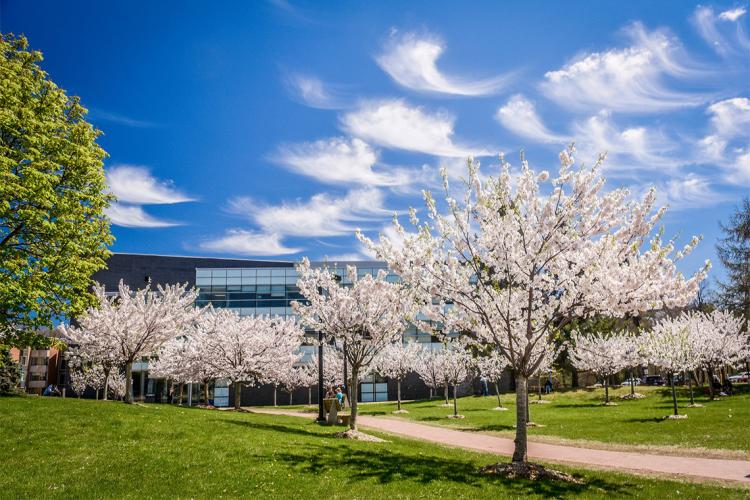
[411, 60]
[393, 123]
[630, 80]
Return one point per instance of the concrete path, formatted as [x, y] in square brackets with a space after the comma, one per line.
[707, 468]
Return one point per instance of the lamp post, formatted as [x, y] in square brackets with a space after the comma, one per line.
[321, 393]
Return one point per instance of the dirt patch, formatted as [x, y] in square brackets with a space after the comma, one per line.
[526, 470]
[359, 436]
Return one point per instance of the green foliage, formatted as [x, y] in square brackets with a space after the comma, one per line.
[53, 232]
[8, 372]
[98, 449]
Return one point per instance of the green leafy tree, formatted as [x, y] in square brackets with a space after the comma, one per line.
[734, 253]
[53, 231]
[8, 372]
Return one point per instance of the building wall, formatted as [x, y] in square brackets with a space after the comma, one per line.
[39, 367]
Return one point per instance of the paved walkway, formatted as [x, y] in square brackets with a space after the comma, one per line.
[707, 468]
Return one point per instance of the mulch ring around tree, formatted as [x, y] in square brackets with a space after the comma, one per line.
[359, 436]
[526, 470]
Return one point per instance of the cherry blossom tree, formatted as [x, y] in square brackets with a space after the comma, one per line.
[367, 315]
[396, 361]
[600, 353]
[515, 258]
[174, 362]
[133, 325]
[91, 348]
[246, 350]
[78, 382]
[672, 344]
[430, 369]
[456, 364]
[491, 367]
[721, 340]
[297, 377]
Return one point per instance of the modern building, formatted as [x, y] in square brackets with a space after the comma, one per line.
[250, 287]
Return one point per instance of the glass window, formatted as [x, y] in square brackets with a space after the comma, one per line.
[248, 272]
[248, 280]
[203, 281]
[291, 280]
[219, 273]
[234, 273]
[218, 281]
[202, 273]
[263, 280]
[278, 272]
[264, 272]
[234, 281]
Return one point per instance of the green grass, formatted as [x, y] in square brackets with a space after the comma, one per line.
[579, 415]
[96, 449]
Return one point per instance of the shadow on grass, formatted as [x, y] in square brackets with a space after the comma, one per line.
[273, 427]
[387, 466]
[645, 420]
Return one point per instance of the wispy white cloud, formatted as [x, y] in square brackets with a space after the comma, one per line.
[321, 215]
[628, 149]
[396, 124]
[519, 115]
[733, 14]
[311, 91]
[630, 80]
[134, 216]
[250, 243]
[339, 160]
[723, 32]
[108, 116]
[688, 192]
[728, 142]
[134, 186]
[411, 60]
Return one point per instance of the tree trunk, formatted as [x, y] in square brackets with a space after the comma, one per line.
[455, 402]
[574, 378]
[97, 395]
[446, 395]
[106, 385]
[398, 394]
[205, 393]
[632, 383]
[182, 391]
[606, 391]
[238, 395]
[309, 395]
[528, 406]
[290, 397]
[539, 384]
[674, 393]
[431, 393]
[274, 395]
[497, 393]
[710, 382]
[353, 389]
[690, 384]
[519, 454]
[129, 382]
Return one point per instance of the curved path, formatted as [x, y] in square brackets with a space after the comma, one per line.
[706, 468]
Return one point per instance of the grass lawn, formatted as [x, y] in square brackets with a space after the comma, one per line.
[83, 448]
[579, 415]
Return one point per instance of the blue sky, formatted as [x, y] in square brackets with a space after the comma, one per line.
[273, 129]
